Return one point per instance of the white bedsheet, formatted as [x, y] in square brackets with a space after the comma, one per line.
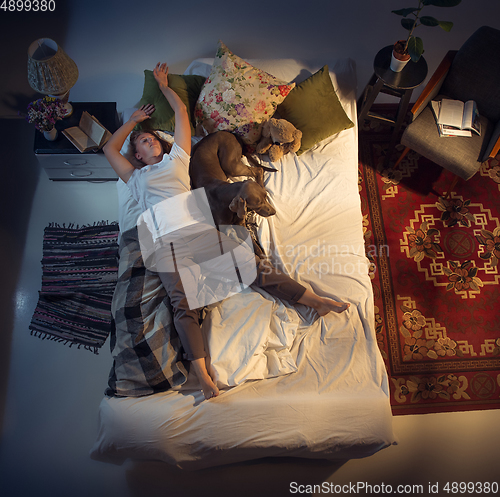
[326, 393]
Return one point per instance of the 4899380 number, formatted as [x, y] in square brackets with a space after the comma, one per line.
[28, 5]
[471, 487]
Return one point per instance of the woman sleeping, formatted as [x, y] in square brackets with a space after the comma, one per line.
[183, 235]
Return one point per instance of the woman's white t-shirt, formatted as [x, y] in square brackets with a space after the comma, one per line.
[163, 192]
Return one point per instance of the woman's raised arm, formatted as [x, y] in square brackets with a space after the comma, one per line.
[123, 168]
[182, 134]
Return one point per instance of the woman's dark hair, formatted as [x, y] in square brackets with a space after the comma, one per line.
[165, 145]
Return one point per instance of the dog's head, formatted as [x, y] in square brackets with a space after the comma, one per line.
[252, 197]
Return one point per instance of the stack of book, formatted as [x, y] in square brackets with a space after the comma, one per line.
[456, 118]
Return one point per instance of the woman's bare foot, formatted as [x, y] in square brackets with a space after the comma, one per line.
[327, 305]
[207, 383]
[209, 388]
[322, 305]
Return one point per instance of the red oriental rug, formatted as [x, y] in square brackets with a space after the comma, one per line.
[436, 278]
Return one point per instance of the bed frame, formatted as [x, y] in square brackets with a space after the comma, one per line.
[293, 384]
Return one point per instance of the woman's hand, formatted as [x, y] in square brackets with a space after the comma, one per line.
[112, 150]
[160, 73]
[143, 113]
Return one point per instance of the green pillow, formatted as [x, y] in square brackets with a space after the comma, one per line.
[188, 88]
[314, 108]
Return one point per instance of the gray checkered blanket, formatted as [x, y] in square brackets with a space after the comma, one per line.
[145, 346]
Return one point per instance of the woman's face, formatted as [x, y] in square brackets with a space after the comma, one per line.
[148, 148]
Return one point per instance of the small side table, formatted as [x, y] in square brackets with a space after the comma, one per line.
[63, 161]
[398, 84]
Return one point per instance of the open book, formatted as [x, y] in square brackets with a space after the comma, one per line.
[456, 118]
[90, 134]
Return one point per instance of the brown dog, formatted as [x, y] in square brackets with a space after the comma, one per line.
[216, 158]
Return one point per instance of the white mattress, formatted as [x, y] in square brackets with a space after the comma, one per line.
[295, 384]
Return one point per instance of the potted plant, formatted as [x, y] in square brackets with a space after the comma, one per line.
[44, 113]
[413, 46]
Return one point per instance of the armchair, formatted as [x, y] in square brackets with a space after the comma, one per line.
[471, 73]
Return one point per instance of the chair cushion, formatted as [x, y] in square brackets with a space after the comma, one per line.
[460, 155]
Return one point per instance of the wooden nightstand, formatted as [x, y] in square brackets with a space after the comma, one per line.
[63, 161]
[398, 84]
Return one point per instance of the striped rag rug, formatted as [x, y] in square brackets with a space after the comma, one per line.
[79, 273]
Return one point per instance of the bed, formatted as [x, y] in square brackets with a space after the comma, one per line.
[293, 384]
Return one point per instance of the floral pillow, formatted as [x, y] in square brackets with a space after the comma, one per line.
[238, 97]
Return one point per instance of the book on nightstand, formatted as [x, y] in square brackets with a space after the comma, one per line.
[89, 135]
[456, 118]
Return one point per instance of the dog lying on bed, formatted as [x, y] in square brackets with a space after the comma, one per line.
[216, 158]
